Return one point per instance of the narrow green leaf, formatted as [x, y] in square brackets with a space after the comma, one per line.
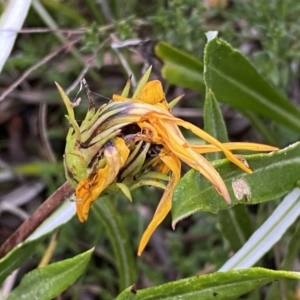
[125, 190]
[142, 83]
[214, 123]
[234, 81]
[48, 282]
[107, 214]
[15, 258]
[219, 285]
[235, 223]
[274, 174]
[180, 68]
[128, 294]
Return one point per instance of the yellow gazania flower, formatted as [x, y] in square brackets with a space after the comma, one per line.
[111, 154]
[160, 127]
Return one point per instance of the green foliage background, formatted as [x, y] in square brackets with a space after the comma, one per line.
[267, 32]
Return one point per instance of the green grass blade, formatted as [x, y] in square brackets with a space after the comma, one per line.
[235, 223]
[219, 285]
[50, 281]
[107, 214]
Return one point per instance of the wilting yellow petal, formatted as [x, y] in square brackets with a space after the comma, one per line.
[98, 137]
[153, 93]
[178, 145]
[170, 135]
[201, 133]
[165, 204]
[205, 136]
[163, 168]
[89, 189]
[116, 157]
[233, 146]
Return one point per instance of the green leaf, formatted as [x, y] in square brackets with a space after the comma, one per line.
[15, 258]
[235, 223]
[180, 68]
[107, 214]
[128, 294]
[274, 174]
[234, 81]
[19, 254]
[219, 285]
[48, 282]
[214, 123]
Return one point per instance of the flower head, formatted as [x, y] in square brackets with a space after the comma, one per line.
[137, 141]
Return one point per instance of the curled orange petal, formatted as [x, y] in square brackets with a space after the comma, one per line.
[89, 189]
[152, 92]
[165, 204]
[233, 146]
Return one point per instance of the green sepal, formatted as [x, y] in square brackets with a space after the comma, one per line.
[142, 83]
